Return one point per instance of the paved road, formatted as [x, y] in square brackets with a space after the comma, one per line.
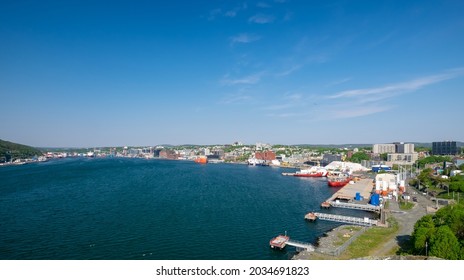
[406, 220]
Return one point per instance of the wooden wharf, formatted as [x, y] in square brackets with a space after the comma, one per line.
[342, 219]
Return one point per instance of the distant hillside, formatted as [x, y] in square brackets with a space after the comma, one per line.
[13, 150]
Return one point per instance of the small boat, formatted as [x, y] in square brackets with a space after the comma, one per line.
[201, 160]
[279, 241]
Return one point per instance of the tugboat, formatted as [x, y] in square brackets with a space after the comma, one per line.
[201, 160]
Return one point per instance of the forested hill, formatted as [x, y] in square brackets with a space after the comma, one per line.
[14, 150]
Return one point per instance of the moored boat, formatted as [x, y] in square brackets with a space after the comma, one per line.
[202, 160]
[338, 179]
[314, 171]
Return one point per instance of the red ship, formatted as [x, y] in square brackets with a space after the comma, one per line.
[338, 179]
[201, 160]
[311, 172]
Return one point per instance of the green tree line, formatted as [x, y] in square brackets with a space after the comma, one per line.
[10, 150]
[441, 235]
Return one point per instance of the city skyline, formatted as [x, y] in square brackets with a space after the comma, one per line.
[85, 74]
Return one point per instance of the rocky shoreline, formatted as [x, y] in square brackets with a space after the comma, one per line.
[328, 244]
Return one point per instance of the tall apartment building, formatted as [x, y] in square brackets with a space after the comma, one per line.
[395, 148]
[383, 148]
[402, 148]
[397, 153]
[444, 148]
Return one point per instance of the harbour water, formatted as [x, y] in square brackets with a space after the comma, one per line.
[154, 209]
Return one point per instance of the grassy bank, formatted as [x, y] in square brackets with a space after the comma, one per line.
[371, 241]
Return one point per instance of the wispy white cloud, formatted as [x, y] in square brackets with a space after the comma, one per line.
[288, 71]
[380, 41]
[226, 12]
[263, 5]
[278, 107]
[354, 111]
[408, 86]
[288, 115]
[291, 104]
[294, 96]
[261, 19]
[339, 82]
[244, 38]
[288, 16]
[250, 79]
[236, 98]
[214, 13]
[231, 13]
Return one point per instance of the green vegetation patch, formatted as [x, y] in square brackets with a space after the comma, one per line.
[406, 205]
[440, 235]
[10, 151]
[370, 241]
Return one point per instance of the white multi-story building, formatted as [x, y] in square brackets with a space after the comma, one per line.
[398, 152]
[403, 158]
[383, 148]
[402, 148]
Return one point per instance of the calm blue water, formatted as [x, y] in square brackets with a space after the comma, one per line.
[153, 209]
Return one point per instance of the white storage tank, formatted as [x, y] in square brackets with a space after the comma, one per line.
[384, 185]
[378, 185]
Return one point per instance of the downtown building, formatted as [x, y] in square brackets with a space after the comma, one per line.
[444, 148]
[397, 153]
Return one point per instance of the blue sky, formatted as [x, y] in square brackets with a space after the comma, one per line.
[114, 73]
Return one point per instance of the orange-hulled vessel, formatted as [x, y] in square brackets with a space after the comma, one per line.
[202, 160]
[338, 179]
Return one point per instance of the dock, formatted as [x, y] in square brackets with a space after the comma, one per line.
[348, 192]
[344, 198]
[301, 245]
[356, 206]
[281, 241]
[312, 216]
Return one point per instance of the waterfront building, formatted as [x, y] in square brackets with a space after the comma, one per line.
[168, 154]
[444, 148]
[266, 155]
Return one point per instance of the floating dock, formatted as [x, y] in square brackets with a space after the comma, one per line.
[312, 216]
[281, 241]
[356, 206]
